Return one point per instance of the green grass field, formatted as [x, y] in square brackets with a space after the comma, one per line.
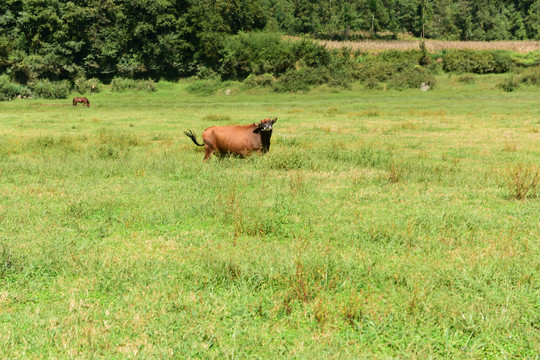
[396, 225]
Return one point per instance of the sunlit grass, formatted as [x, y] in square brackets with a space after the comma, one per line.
[380, 224]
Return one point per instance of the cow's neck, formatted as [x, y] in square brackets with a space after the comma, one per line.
[265, 138]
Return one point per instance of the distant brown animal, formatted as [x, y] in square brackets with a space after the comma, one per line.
[240, 139]
[81, 100]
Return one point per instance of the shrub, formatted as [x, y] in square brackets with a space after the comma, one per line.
[85, 86]
[311, 54]
[121, 85]
[478, 62]
[510, 84]
[530, 76]
[51, 89]
[466, 79]
[10, 91]
[400, 60]
[259, 80]
[424, 59]
[206, 73]
[146, 85]
[532, 58]
[203, 87]
[412, 78]
[372, 84]
[256, 53]
[302, 79]
[374, 71]
[342, 68]
[260, 53]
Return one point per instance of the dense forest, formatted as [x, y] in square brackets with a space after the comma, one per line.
[173, 38]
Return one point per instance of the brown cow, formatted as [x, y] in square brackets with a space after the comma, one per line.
[239, 139]
[81, 100]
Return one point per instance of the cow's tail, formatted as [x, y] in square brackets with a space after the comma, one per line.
[193, 138]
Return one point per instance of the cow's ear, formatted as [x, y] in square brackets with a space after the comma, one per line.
[257, 130]
[274, 121]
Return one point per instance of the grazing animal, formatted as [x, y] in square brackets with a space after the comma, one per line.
[81, 100]
[239, 139]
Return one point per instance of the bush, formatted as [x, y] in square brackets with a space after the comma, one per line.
[530, 76]
[466, 79]
[532, 58]
[51, 89]
[206, 73]
[259, 80]
[121, 85]
[478, 62]
[510, 84]
[302, 79]
[372, 84]
[373, 71]
[400, 60]
[85, 86]
[9, 91]
[412, 78]
[311, 54]
[256, 53]
[267, 53]
[203, 87]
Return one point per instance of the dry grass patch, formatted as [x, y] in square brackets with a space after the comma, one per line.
[522, 180]
[376, 46]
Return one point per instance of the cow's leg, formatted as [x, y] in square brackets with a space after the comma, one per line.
[208, 152]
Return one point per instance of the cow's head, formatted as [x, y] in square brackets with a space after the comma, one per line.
[265, 125]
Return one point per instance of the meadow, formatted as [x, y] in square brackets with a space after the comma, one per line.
[381, 224]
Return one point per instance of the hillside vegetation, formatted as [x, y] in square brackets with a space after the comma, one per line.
[58, 40]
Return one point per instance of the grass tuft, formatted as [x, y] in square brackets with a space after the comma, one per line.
[522, 181]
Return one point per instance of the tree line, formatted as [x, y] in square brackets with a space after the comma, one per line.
[53, 39]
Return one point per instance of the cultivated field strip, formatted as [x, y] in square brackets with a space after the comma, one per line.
[376, 46]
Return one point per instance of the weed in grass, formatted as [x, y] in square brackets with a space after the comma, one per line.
[332, 111]
[510, 84]
[8, 263]
[351, 308]
[466, 79]
[510, 147]
[373, 84]
[409, 125]
[320, 311]
[299, 283]
[217, 118]
[522, 180]
[371, 113]
[395, 174]
[296, 182]
[287, 160]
